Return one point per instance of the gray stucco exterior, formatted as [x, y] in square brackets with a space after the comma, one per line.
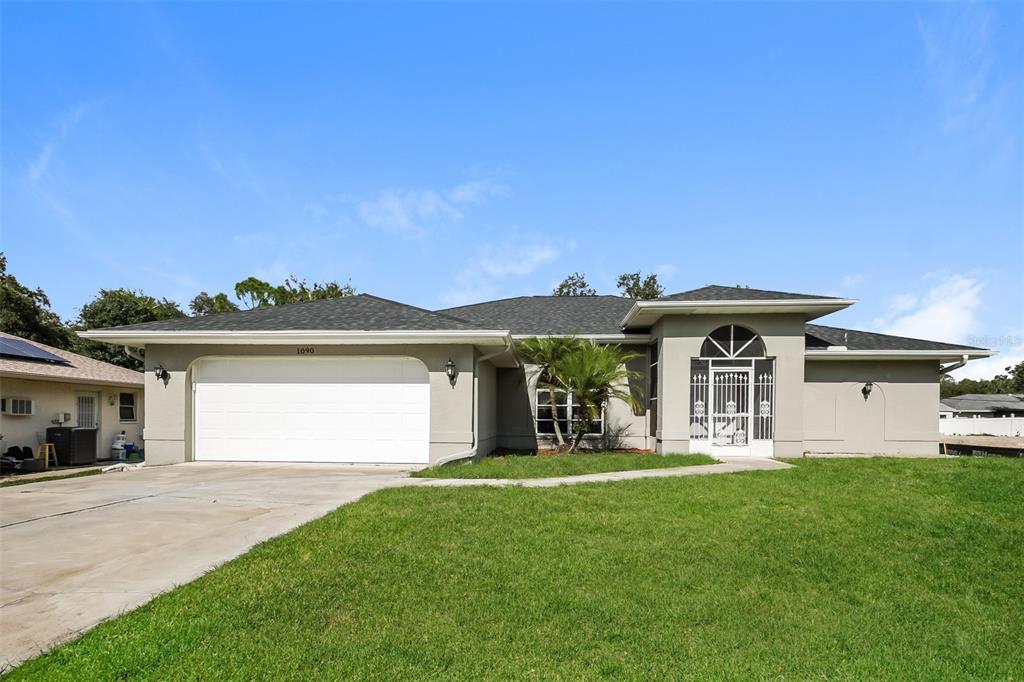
[819, 398]
[168, 432]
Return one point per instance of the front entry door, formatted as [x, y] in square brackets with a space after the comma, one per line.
[731, 416]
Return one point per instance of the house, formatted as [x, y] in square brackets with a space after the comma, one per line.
[983, 405]
[725, 370]
[42, 386]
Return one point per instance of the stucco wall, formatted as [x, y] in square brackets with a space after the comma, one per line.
[898, 418]
[680, 338]
[168, 431]
[517, 402]
[52, 397]
[486, 399]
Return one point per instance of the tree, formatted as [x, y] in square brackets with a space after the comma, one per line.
[204, 304]
[633, 287]
[114, 308]
[596, 373]
[26, 312]
[295, 291]
[255, 293]
[547, 353]
[574, 285]
[1011, 382]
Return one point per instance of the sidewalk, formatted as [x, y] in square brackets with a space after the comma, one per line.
[726, 466]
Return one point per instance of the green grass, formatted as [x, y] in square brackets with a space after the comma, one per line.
[836, 569]
[548, 466]
[19, 480]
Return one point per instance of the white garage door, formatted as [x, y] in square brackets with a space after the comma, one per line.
[312, 409]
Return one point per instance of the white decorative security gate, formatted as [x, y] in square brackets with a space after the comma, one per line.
[732, 395]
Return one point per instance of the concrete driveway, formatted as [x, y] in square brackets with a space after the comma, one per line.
[79, 551]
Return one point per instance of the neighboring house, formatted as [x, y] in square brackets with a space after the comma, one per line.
[725, 370]
[42, 386]
[982, 405]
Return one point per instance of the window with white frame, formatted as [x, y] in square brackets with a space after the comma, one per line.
[126, 407]
[567, 411]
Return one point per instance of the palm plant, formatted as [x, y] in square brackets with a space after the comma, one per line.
[548, 353]
[595, 374]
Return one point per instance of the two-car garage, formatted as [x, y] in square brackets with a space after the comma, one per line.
[357, 409]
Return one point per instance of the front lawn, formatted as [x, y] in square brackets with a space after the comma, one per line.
[548, 466]
[16, 479]
[835, 569]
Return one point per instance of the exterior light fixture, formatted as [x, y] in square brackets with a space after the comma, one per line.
[866, 391]
[110, 399]
[451, 371]
[162, 374]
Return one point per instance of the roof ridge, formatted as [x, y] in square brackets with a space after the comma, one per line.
[513, 298]
[741, 288]
[416, 307]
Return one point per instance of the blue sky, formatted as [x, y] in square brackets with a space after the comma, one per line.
[444, 154]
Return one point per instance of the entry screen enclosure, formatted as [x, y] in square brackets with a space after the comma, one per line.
[732, 395]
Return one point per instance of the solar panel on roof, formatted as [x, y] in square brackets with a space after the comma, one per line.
[19, 348]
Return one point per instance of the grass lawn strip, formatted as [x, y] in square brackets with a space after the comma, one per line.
[15, 480]
[835, 569]
[550, 466]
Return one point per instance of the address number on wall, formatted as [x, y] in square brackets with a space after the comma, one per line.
[305, 350]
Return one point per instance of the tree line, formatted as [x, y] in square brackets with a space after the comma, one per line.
[26, 312]
[1010, 382]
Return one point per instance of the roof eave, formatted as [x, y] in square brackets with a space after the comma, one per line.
[139, 339]
[950, 355]
[597, 338]
[645, 313]
[83, 381]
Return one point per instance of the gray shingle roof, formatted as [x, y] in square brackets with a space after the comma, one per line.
[717, 292]
[541, 315]
[819, 337]
[78, 368]
[980, 402]
[362, 312]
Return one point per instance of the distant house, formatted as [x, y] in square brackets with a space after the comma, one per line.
[982, 405]
[42, 386]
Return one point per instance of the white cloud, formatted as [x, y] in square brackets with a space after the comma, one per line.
[414, 213]
[972, 99]
[476, 192]
[407, 213]
[508, 259]
[666, 271]
[492, 263]
[852, 281]
[947, 312]
[1011, 351]
[39, 166]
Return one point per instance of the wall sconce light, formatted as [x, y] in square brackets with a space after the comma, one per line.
[866, 391]
[110, 400]
[451, 371]
[162, 374]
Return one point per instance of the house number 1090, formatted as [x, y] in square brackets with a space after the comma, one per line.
[305, 350]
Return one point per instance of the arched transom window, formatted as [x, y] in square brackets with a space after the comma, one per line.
[732, 341]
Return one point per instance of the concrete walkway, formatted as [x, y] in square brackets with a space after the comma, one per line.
[728, 465]
[78, 551]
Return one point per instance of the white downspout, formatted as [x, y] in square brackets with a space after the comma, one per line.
[471, 452]
[956, 365]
